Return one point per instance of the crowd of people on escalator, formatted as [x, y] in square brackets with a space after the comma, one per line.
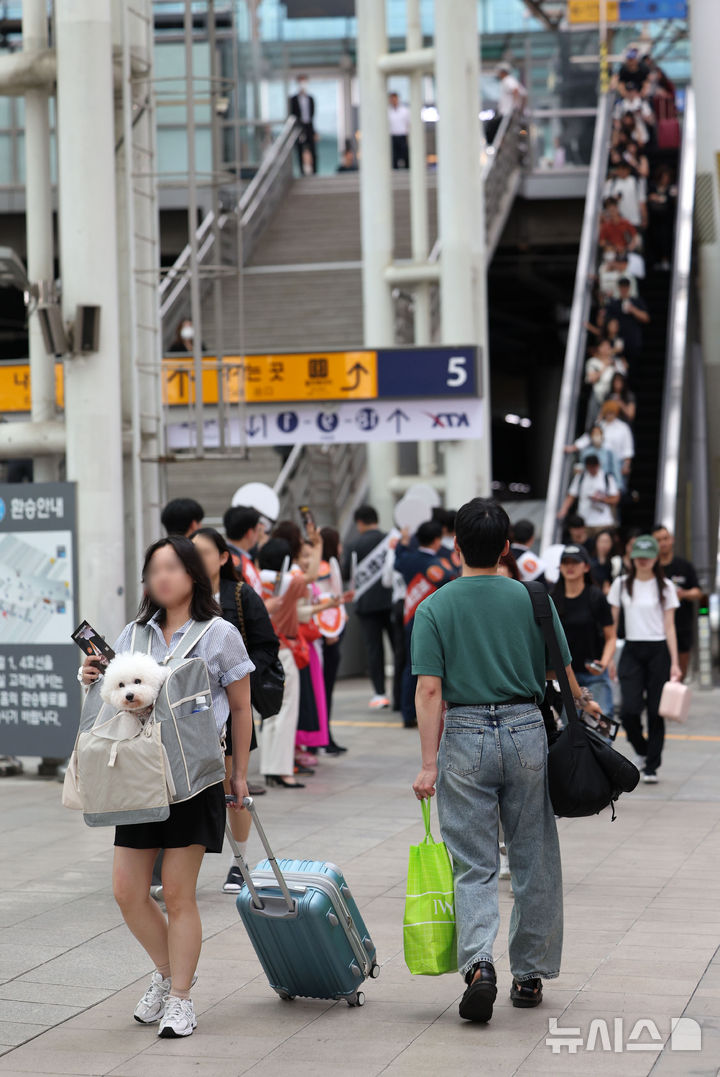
[635, 236]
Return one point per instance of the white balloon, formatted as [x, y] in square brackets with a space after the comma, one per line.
[411, 512]
[422, 491]
[260, 496]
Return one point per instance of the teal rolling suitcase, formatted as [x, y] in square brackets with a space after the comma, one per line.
[305, 927]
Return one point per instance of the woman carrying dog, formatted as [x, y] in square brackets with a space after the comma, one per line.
[177, 593]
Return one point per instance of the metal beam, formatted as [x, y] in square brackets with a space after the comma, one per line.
[535, 8]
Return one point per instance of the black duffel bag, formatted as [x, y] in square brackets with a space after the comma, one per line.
[585, 773]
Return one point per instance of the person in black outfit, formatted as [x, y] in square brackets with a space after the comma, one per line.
[374, 605]
[632, 315]
[683, 575]
[588, 622]
[302, 107]
[262, 646]
[331, 648]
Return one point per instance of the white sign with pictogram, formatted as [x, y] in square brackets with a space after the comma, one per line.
[341, 423]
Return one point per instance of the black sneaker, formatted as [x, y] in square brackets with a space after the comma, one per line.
[527, 994]
[477, 1002]
[234, 882]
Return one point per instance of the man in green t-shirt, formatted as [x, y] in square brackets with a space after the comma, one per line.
[476, 646]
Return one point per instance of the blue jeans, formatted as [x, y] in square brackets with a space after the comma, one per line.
[493, 758]
[600, 688]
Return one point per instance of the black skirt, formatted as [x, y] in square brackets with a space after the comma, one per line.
[228, 737]
[198, 821]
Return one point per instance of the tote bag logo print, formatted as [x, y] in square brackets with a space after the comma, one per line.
[429, 934]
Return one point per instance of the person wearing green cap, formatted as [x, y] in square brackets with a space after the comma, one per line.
[650, 655]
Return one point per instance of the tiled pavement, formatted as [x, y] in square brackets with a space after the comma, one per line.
[642, 904]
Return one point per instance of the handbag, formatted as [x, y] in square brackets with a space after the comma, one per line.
[429, 933]
[267, 686]
[585, 773]
[675, 701]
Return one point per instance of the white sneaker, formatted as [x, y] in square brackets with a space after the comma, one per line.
[639, 761]
[504, 865]
[379, 703]
[150, 1007]
[650, 779]
[179, 1018]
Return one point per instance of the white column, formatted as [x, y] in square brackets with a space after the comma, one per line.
[462, 225]
[376, 216]
[704, 35]
[88, 248]
[39, 228]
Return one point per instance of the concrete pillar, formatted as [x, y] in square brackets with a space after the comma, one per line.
[39, 229]
[704, 35]
[88, 250]
[461, 219]
[376, 215]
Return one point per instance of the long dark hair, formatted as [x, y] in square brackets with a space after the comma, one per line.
[658, 573]
[288, 530]
[227, 569]
[203, 606]
[331, 542]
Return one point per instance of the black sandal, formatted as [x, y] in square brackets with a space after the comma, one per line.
[527, 994]
[477, 1002]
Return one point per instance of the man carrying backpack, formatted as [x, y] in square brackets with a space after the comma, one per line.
[596, 493]
[476, 646]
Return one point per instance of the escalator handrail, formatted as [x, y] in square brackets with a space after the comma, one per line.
[677, 338]
[560, 465]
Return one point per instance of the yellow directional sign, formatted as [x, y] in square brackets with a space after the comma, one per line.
[15, 386]
[589, 11]
[311, 376]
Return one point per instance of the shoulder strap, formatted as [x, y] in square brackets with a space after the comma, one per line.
[141, 639]
[542, 611]
[240, 611]
[193, 635]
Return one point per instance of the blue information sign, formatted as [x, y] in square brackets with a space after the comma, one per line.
[638, 10]
[428, 372]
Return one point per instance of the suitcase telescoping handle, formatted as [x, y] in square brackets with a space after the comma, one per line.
[249, 805]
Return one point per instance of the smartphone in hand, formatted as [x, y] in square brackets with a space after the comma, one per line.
[92, 644]
[307, 518]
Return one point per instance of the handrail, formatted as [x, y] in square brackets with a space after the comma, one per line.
[575, 349]
[177, 277]
[677, 350]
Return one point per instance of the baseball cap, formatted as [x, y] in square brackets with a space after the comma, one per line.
[645, 546]
[575, 553]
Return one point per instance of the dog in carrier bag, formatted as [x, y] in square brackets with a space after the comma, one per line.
[147, 737]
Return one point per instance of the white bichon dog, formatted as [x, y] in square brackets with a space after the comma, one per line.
[132, 683]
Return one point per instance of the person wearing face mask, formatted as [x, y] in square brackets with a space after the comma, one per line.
[302, 107]
[184, 337]
[617, 436]
[597, 494]
[608, 460]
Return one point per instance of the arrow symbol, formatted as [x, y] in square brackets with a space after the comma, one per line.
[357, 370]
[398, 416]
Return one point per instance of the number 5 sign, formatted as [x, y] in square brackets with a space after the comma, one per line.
[427, 372]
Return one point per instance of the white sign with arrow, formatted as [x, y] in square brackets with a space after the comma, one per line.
[341, 423]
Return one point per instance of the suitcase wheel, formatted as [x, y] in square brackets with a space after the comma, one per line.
[375, 971]
[357, 1000]
[284, 995]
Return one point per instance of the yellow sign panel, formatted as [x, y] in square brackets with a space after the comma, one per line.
[311, 376]
[255, 379]
[15, 386]
[589, 11]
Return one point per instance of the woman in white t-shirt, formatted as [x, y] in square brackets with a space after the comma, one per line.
[650, 655]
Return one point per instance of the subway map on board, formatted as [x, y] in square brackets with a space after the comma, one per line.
[36, 574]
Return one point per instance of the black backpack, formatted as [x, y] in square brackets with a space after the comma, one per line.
[585, 773]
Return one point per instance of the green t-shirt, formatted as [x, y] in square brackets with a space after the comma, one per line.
[478, 634]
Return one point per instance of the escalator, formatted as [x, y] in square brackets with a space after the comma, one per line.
[657, 375]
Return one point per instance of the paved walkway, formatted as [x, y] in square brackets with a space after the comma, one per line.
[642, 933]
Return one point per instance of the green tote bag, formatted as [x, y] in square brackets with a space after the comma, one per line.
[429, 925]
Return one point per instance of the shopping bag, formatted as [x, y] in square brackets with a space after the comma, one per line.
[429, 935]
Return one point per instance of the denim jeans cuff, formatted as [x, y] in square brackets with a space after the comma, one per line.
[478, 957]
[536, 976]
